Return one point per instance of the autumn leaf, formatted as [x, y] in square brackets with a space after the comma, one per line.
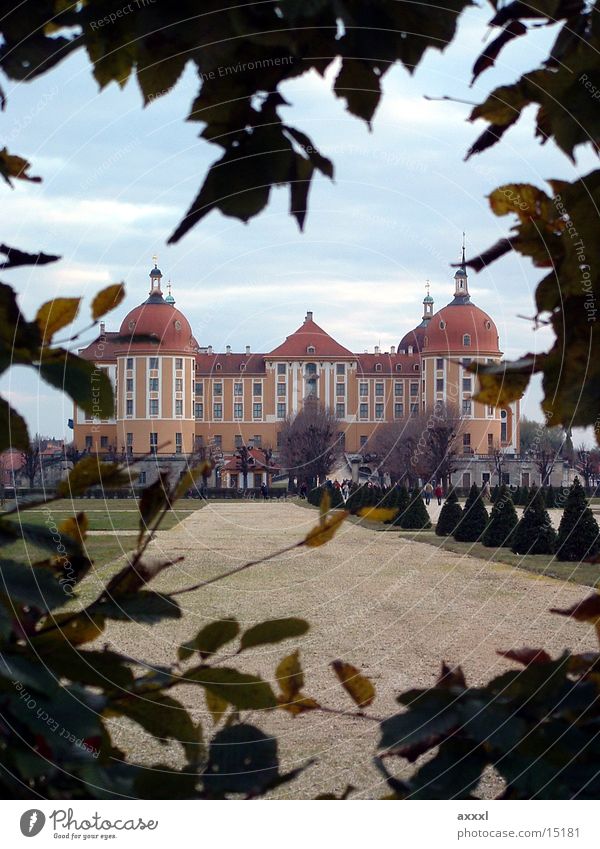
[15, 167]
[107, 299]
[289, 675]
[377, 514]
[325, 530]
[56, 314]
[75, 527]
[358, 687]
[526, 655]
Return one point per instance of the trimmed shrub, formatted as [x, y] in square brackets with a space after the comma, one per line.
[450, 516]
[578, 533]
[534, 534]
[474, 518]
[516, 496]
[399, 501]
[503, 521]
[495, 494]
[415, 517]
[550, 496]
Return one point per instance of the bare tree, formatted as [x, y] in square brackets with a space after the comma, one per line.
[586, 463]
[309, 443]
[499, 461]
[422, 446]
[32, 460]
[545, 454]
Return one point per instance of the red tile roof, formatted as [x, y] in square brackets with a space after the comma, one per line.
[367, 364]
[230, 364]
[310, 334]
[260, 462]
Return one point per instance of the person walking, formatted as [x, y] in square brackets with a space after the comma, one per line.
[264, 490]
[439, 493]
[428, 492]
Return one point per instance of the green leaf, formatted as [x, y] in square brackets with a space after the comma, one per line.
[86, 384]
[142, 606]
[210, 638]
[241, 759]
[13, 429]
[273, 631]
[38, 535]
[23, 584]
[165, 719]
[92, 472]
[105, 669]
[358, 82]
[245, 692]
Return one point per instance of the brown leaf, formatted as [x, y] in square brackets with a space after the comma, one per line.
[325, 530]
[359, 687]
[56, 314]
[587, 610]
[107, 299]
[289, 676]
[377, 514]
[526, 655]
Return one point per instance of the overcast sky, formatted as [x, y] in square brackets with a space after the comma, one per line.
[118, 178]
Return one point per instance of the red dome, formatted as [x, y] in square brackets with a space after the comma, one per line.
[414, 338]
[447, 329]
[155, 317]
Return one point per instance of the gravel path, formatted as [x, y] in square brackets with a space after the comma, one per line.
[391, 606]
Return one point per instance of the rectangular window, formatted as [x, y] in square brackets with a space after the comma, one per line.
[439, 363]
[505, 478]
[439, 384]
[129, 439]
[414, 409]
[104, 442]
[154, 439]
[379, 389]
[88, 441]
[257, 440]
[199, 389]
[142, 477]
[398, 411]
[364, 411]
[238, 388]
[466, 408]
[281, 390]
[178, 443]
[178, 362]
[364, 389]
[129, 384]
[199, 410]
[467, 384]
[279, 439]
[466, 480]
[340, 368]
[281, 411]
[153, 384]
[491, 412]
[129, 362]
[257, 390]
[238, 441]
[257, 411]
[153, 406]
[178, 384]
[154, 362]
[379, 411]
[217, 388]
[340, 390]
[363, 441]
[129, 407]
[178, 407]
[340, 411]
[467, 442]
[414, 389]
[280, 368]
[218, 440]
[238, 411]
[503, 432]
[217, 411]
[341, 439]
[398, 389]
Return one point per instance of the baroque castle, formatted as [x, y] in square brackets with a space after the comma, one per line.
[175, 395]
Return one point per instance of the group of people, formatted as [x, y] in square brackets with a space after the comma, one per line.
[430, 489]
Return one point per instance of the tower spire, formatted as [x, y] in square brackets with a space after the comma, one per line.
[155, 278]
[461, 282]
[463, 250]
[427, 303]
[169, 299]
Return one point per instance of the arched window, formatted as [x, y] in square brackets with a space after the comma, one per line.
[442, 325]
[218, 366]
[416, 367]
[310, 349]
[398, 366]
[377, 366]
[242, 366]
[467, 340]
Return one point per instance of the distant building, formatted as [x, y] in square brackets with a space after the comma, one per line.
[174, 395]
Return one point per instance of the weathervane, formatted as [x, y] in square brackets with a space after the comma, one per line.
[427, 285]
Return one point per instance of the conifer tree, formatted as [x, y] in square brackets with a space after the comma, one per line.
[578, 530]
[534, 534]
[503, 521]
[474, 518]
[495, 494]
[450, 516]
[516, 496]
[401, 500]
[415, 516]
[550, 496]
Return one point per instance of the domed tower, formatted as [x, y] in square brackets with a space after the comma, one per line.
[457, 335]
[412, 342]
[155, 376]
